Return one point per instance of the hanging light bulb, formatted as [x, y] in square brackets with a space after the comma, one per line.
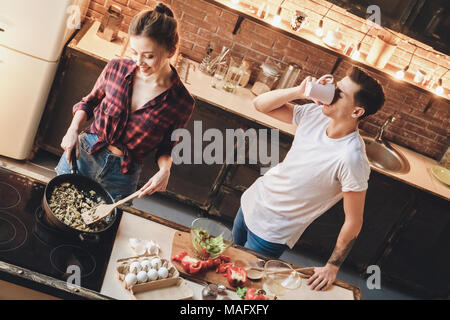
[356, 54]
[319, 30]
[276, 20]
[234, 3]
[439, 89]
[401, 73]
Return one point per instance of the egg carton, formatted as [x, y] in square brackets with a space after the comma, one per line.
[123, 268]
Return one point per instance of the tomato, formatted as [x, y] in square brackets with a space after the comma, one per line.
[255, 294]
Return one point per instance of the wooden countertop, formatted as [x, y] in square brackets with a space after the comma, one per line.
[142, 225]
[240, 103]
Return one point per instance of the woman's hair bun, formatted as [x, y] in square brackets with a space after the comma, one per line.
[163, 9]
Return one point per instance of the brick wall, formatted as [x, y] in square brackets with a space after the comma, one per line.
[421, 128]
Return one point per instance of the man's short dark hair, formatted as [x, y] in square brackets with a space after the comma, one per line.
[370, 96]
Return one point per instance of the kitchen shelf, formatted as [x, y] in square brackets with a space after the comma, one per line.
[308, 37]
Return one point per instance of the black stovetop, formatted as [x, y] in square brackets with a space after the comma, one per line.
[28, 242]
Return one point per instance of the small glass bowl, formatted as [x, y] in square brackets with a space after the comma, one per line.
[215, 229]
[279, 276]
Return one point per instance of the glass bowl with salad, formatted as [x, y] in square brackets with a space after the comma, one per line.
[210, 238]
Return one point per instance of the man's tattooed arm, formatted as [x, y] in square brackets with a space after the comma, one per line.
[339, 254]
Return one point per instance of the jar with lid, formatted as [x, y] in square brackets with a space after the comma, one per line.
[266, 79]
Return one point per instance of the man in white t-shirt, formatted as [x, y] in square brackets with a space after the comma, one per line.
[327, 162]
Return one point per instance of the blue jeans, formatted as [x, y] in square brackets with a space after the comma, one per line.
[244, 237]
[103, 167]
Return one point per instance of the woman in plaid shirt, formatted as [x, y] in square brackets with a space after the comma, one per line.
[136, 105]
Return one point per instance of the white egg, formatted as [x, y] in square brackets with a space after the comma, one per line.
[142, 277]
[152, 247]
[134, 242]
[156, 263]
[152, 274]
[135, 267]
[145, 265]
[163, 272]
[131, 279]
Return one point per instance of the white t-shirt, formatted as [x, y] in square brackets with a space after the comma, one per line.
[280, 205]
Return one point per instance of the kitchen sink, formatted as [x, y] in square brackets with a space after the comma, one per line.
[383, 156]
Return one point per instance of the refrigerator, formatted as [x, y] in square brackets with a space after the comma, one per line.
[32, 36]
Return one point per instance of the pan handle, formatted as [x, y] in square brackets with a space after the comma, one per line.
[95, 238]
[73, 160]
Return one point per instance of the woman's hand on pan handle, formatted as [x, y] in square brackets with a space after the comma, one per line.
[70, 141]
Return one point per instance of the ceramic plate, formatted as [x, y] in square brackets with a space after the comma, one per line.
[442, 174]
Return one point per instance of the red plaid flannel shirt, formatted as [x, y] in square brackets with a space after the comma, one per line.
[139, 132]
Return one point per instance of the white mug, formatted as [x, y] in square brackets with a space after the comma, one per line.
[323, 93]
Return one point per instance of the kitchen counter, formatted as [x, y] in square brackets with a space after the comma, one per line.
[134, 224]
[240, 104]
[142, 225]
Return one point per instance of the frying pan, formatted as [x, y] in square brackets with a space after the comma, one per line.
[81, 183]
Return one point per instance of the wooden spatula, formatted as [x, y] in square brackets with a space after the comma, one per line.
[104, 210]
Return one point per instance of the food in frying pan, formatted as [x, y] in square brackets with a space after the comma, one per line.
[68, 203]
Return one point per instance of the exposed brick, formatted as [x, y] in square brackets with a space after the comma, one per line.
[123, 2]
[213, 10]
[186, 45]
[256, 46]
[137, 5]
[200, 22]
[100, 2]
[186, 27]
[100, 9]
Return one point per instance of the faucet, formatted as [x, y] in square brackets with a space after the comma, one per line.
[379, 136]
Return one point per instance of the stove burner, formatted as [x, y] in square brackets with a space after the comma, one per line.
[10, 196]
[65, 256]
[13, 232]
[7, 231]
[48, 235]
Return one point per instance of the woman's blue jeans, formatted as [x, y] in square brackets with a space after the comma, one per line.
[103, 167]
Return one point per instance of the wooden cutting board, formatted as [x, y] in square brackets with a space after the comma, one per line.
[182, 242]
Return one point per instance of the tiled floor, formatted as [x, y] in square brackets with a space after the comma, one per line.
[184, 215]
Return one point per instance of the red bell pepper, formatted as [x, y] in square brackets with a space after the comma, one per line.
[236, 276]
[225, 258]
[204, 254]
[209, 264]
[255, 294]
[178, 257]
[216, 262]
[195, 267]
[223, 267]
[187, 261]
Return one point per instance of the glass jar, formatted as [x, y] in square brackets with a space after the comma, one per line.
[233, 76]
[265, 82]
